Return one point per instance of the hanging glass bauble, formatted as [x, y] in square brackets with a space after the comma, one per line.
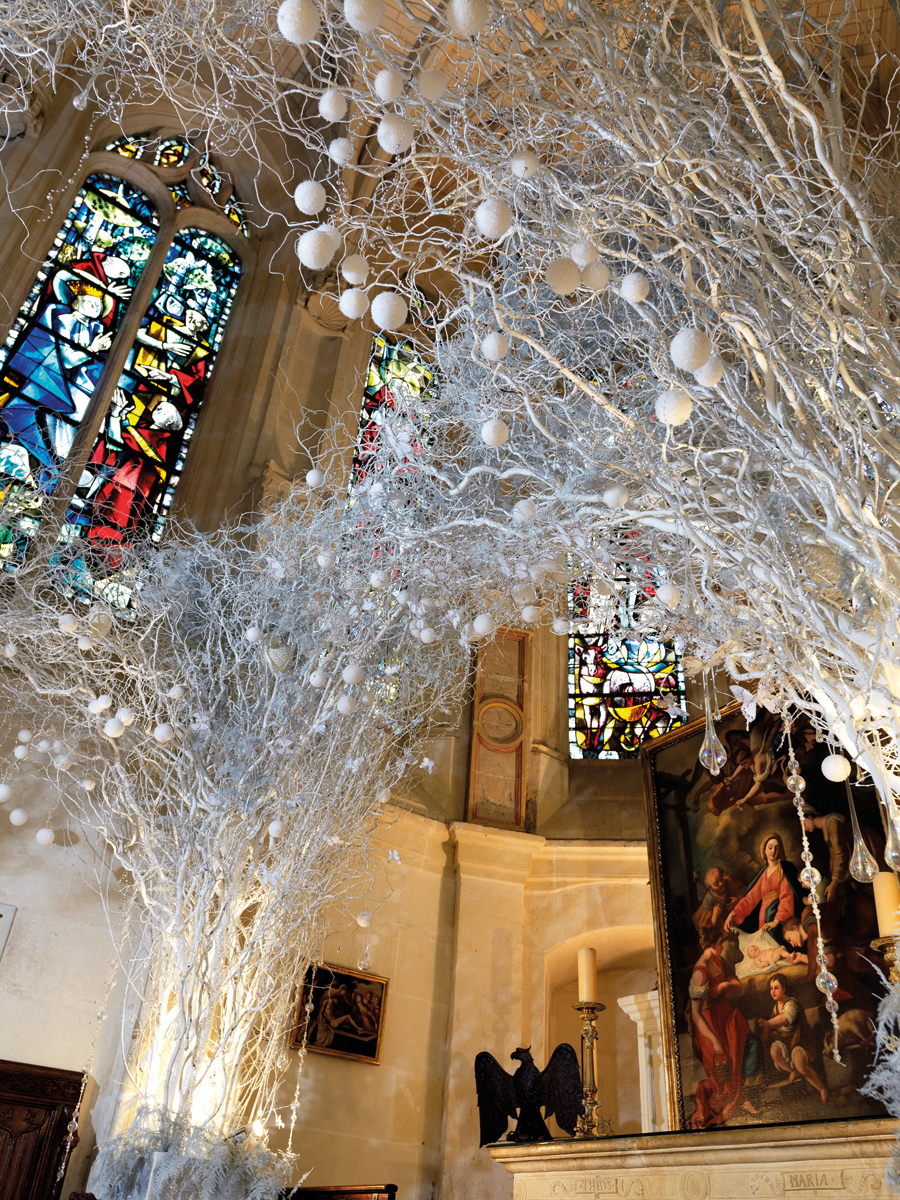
[826, 982]
[810, 877]
[892, 848]
[713, 754]
[863, 865]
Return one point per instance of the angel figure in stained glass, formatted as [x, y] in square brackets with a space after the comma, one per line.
[53, 371]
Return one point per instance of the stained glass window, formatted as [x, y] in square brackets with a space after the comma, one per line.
[127, 486]
[392, 415]
[52, 375]
[60, 339]
[625, 684]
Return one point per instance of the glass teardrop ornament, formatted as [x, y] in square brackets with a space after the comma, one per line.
[713, 754]
[863, 865]
[892, 848]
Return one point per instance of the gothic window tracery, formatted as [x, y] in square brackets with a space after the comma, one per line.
[96, 416]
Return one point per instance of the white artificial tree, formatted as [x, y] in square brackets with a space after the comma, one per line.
[658, 248]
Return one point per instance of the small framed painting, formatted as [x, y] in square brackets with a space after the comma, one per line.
[340, 1012]
[746, 1035]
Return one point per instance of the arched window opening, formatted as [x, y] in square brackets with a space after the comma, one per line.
[625, 684]
[53, 366]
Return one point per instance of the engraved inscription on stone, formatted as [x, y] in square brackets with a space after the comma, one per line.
[813, 1181]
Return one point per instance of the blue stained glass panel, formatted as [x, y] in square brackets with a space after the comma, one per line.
[59, 342]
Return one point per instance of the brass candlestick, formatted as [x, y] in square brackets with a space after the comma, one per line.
[590, 1123]
[887, 947]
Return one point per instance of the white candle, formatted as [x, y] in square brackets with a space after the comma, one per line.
[887, 903]
[587, 975]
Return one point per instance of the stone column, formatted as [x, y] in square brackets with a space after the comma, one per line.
[643, 1009]
[489, 1009]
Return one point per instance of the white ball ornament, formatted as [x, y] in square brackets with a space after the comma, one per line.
[836, 768]
[494, 432]
[67, 623]
[674, 406]
[24, 735]
[340, 151]
[635, 287]
[315, 249]
[126, 715]
[176, 691]
[113, 728]
[354, 303]
[332, 105]
[87, 784]
[298, 21]
[42, 746]
[616, 496]
[383, 796]
[710, 374]
[315, 478]
[483, 625]
[367, 698]
[276, 828]
[388, 85]
[85, 642]
[346, 705]
[493, 217]
[689, 349]
[432, 85]
[18, 816]
[524, 512]
[669, 595]
[163, 733]
[253, 633]
[20, 752]
[524, 164]
[562, 276]
[355, 269]
[524, 593]
[10, 650]
[428, 636]
[326, 560]
[595, 276]
[352, 673]
[560, 626]
[583, 253]
[363, 15]
[495, 347]
[379, 578]
[5, 792]
[394, 134]
[44, 837]
[532, 613]
[100, 704]
[389, 310]
[467, 18]
[318, 679]
[310, 197]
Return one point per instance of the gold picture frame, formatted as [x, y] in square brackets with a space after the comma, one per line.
[340, 1012]
[719, 995]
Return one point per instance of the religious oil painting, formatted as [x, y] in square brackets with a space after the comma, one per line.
[341, 1012]
[747, 1036]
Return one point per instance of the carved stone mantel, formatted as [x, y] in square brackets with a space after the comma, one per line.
[827, 1161]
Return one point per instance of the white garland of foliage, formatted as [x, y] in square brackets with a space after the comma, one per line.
[660, 244]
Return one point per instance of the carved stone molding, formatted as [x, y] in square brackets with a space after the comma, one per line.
[806, 1162]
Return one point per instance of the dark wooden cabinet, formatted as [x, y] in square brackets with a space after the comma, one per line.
[345, 1192]
[36, 1106]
